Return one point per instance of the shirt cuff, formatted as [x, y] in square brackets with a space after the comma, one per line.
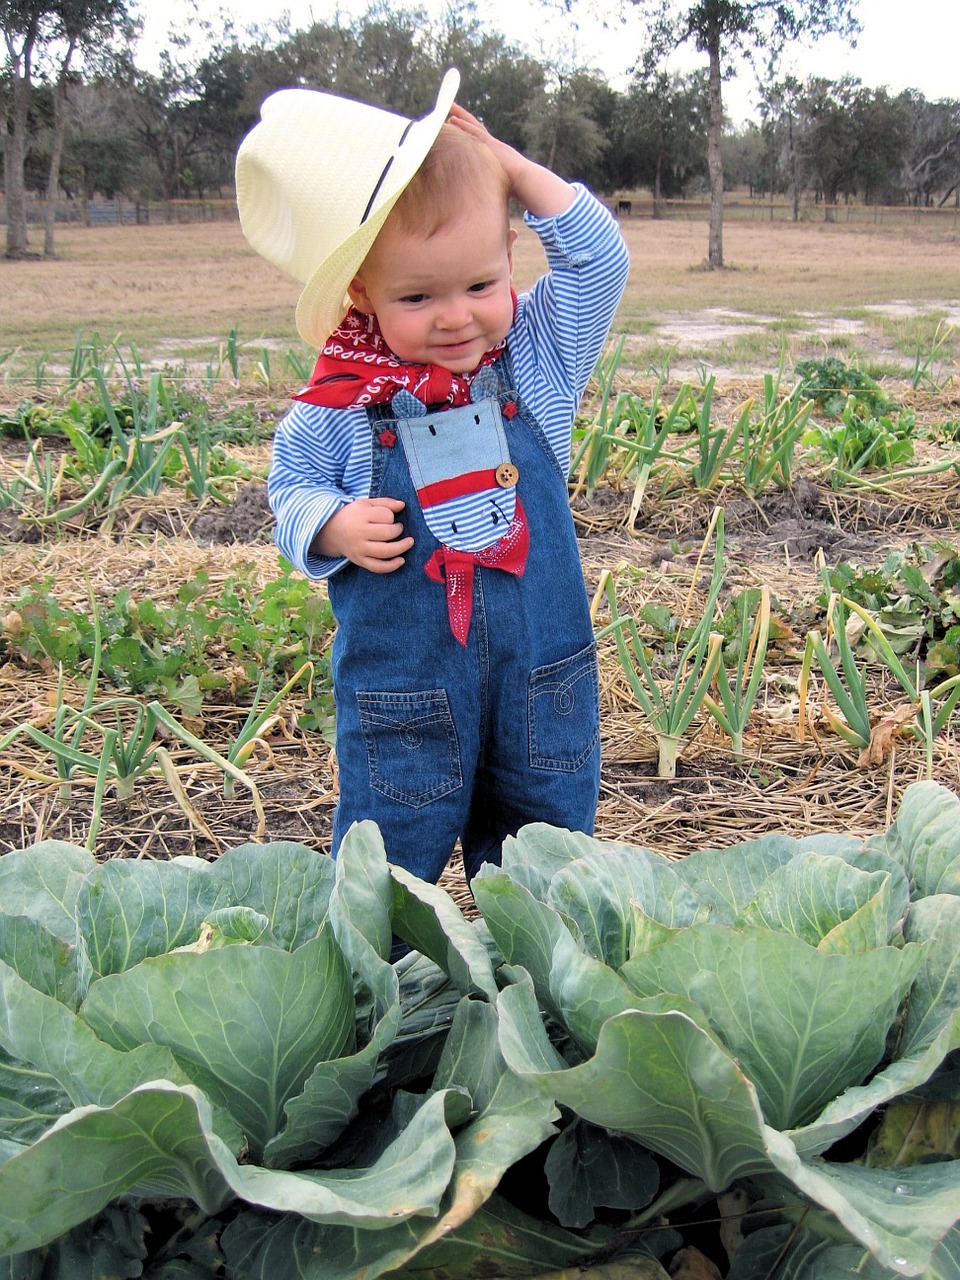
[295, 540]
[571, 237]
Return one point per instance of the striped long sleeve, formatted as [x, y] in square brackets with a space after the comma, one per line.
[322, 457]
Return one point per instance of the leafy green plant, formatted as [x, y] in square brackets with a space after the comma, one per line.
[777, 1017]
[914, 597]
[204, 643]
[831, 384]
[210, 1068]
[185, 1048]
[860, 441]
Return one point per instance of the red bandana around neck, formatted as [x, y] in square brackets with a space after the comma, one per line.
[356, 367]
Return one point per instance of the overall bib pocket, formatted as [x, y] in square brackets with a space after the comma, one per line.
[413, 754]
[563, 712]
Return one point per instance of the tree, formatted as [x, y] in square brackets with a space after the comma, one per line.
[666, 118]
[560, 131]
[725, 30]
[498, 81]
[933, 165]
[100, 152]
[42, 37]
[883, 132]
[826, 142]
[779, 115]
[747, 160]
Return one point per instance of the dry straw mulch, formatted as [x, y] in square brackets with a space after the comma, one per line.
[796, 778]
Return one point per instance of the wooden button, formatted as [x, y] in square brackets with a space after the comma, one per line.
[507, 475]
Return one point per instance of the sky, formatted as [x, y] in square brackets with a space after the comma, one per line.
[902, 46]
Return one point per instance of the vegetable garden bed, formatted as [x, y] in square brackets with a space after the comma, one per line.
[215, 555]
[163, 693]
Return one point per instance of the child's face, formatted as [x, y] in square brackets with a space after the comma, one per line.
[443, 299]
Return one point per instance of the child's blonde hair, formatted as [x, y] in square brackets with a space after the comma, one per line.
[457, 169]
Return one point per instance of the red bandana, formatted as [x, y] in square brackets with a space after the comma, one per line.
[356, 367]
[454, 569]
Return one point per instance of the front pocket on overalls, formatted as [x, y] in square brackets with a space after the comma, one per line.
[412, 751]
[563, 712]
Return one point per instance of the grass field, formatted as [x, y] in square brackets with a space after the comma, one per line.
[874, 294]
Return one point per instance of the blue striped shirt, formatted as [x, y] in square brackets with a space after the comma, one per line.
[322, 457]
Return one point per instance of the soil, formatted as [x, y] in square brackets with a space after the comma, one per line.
[796, 776]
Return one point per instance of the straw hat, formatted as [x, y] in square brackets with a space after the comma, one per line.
[316, 178]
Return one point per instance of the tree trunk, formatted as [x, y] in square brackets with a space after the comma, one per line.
[714, 154]
[56, 153]
[794, 175]
[657, 189]
[14, 160]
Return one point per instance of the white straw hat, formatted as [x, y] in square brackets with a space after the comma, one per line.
[316, 179]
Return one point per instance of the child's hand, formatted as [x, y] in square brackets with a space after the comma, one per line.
[511, 159]
[538, 189]
[366, 533]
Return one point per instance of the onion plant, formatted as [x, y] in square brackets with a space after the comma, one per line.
[929, 712]
[651, 428]
[94, 356]
[736, 695]
[848, 683]
[630, 437]
[38, 482]
[932, 719]
[258, 723]
[146, 447]
[770, 443]
[923, 365]
[715, 444]
[125, 755]
[670, 711]
[592, 457]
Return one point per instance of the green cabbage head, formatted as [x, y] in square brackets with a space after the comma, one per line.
[741, 1012]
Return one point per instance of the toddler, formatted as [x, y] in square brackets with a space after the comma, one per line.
[422, 471]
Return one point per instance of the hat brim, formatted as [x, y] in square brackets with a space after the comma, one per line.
[323, 301]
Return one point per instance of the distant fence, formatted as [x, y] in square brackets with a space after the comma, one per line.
[101, 213]
[738, 207]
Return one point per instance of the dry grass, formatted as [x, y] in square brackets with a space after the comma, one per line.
[177, 290]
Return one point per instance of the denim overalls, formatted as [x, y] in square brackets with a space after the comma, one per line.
[440, 737]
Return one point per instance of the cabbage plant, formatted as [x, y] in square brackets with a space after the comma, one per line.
[776, 1018]
[211, 1069]
[202, 1063]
